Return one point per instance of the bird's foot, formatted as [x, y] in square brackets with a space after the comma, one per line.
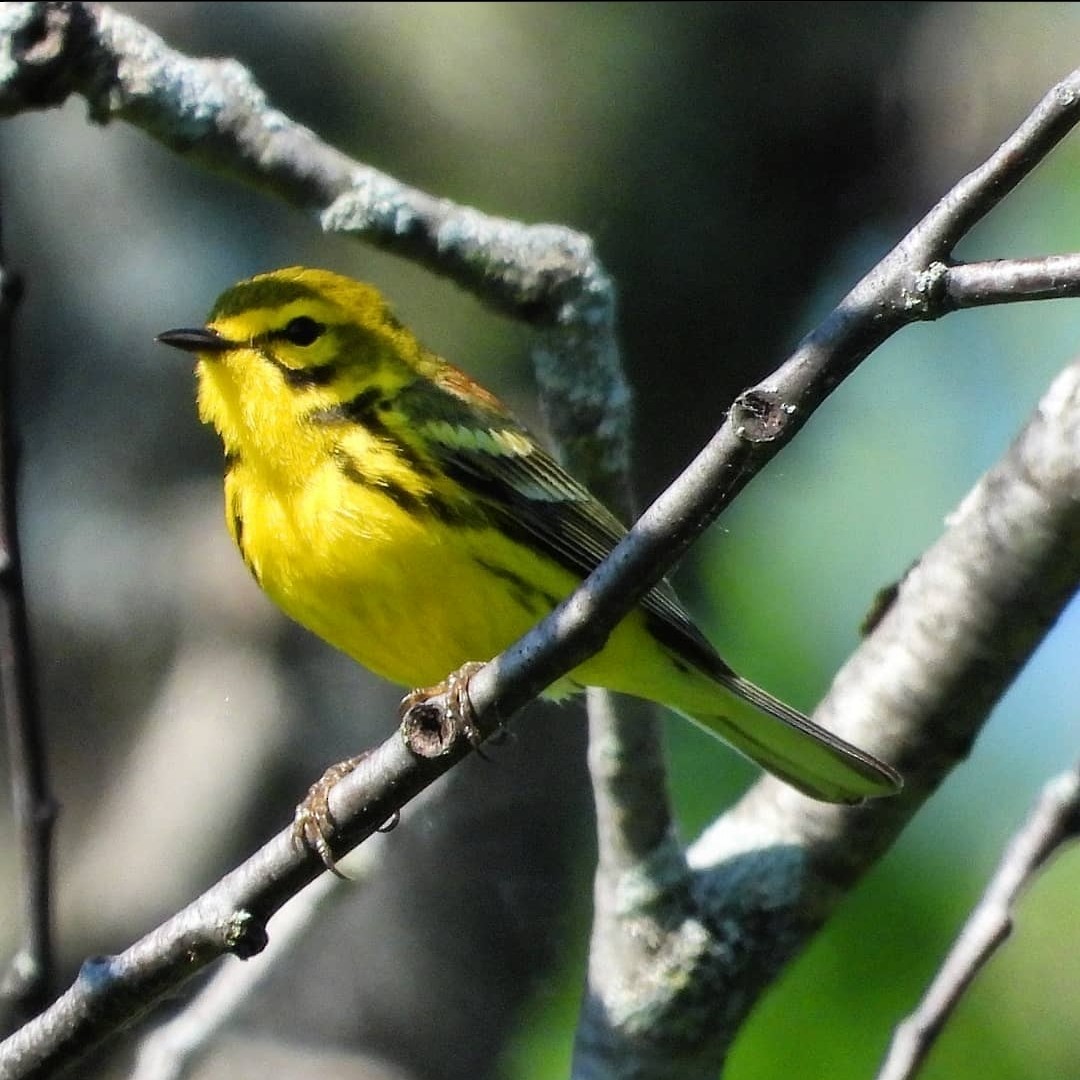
[313, 823]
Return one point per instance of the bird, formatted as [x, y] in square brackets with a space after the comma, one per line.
[393, 506]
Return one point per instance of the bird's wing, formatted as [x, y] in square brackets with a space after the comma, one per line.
[538, 503]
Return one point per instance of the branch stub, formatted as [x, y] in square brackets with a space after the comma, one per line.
[760, 416]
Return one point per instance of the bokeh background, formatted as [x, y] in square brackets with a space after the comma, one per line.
[739, 166]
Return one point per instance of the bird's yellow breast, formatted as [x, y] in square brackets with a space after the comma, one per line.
[403, 593]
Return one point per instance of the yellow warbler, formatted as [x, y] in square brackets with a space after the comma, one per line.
[394, 507]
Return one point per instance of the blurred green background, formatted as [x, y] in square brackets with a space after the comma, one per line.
[739, 167]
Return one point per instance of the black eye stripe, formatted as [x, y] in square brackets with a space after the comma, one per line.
[301, 331]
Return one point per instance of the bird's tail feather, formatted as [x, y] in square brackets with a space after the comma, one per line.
[798, 751]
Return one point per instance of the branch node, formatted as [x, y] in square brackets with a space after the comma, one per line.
[45, 50]
[434, 721]
[761, 416]
[97, 972]
[244, 935]
[428, 728]
[924, 299]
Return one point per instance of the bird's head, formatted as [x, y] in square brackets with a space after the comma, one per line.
[283, 347]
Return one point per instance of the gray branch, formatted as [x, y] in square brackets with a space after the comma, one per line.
[170, 1051]
[214, 113]
[29, 982]
[685, 964]
[1053, 823]
[769, 872]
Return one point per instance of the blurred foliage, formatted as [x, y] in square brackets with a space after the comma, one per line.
[739, 166]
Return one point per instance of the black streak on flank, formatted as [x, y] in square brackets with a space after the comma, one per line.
[534, 600]
[238, 524]
[320, 375]
[429, 505]
[363, 410]
[238, 533]
[350, 469]
[346, 463]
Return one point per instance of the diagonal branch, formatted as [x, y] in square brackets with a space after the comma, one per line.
[749, 861]
[771, 870]
[1053, 823]
[214, 112]
[169, 1051]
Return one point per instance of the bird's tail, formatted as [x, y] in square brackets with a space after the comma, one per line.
[793, 748]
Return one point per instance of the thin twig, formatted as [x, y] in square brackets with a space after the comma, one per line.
[773, 868]
[906, 286]
[28, 983]
[214, 113]
[902, 289]
[968, 285]
[1053, 823]
[169, 1051]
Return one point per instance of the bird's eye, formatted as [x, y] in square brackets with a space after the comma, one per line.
[302, 330]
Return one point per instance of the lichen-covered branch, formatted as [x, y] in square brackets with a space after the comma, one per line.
[213, 112]
[681, 936]
[767, 873]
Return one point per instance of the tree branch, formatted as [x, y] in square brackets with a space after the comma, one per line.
[169, 1051]
[214, 113]
[1053, 823]
[798, 858]
[1006, 281]
[769, 872]
[28, 982]
[231, 917]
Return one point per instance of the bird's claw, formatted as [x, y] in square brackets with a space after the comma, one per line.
[313, 823]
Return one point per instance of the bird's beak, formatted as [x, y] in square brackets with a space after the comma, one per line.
[195, 341]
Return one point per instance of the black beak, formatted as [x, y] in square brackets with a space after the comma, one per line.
[195, 341]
